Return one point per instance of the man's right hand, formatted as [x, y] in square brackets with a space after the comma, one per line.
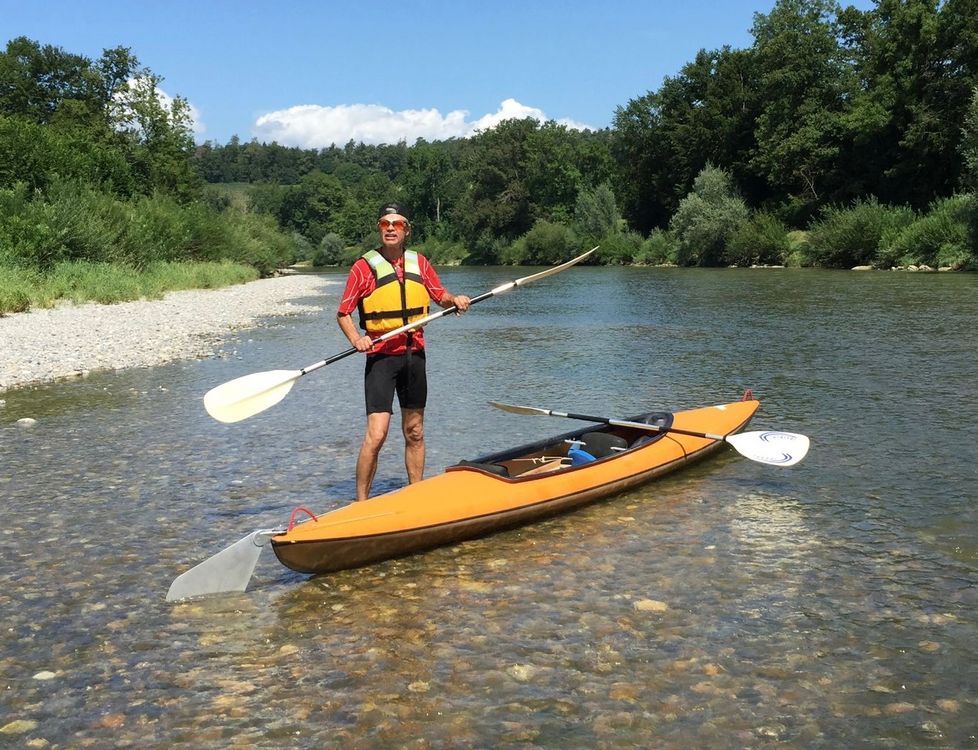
[363, 344]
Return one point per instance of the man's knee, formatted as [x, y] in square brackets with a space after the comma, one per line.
[376, 432]
[413, 427]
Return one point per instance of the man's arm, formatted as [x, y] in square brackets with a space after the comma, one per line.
[439, 293]
[355, 290]
[358, 339]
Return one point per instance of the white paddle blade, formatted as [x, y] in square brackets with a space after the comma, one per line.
[514, 409]
[771, 447]
[228, 570]
[246, 396]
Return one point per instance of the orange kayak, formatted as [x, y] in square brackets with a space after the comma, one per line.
[507, 489]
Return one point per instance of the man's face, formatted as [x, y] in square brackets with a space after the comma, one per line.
[394, 229]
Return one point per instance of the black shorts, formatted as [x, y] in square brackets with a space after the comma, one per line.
[404, 374]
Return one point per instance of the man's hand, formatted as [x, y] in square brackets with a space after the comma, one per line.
[461, 302]
[363, 344]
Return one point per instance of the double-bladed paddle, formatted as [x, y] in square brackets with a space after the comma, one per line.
[250, 394]
[765, 446]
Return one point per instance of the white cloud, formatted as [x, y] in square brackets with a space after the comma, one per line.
[314, 126]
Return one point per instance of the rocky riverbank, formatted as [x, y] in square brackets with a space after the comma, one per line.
[72, 340]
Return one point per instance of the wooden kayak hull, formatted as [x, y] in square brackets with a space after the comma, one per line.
[470, 501]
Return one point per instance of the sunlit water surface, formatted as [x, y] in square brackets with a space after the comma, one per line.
[833, 604]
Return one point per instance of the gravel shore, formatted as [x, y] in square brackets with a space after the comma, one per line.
[71, 340]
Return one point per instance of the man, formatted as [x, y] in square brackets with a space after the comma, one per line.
[391, 287]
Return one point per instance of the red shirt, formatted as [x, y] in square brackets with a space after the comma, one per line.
[361, 283]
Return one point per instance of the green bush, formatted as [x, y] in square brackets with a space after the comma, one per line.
[329, 251]
[444, 252]
[848, 237]
[659, 248]
[619, 248]
[797, 248]
[937, 239]
[73, 222]
[546, 244]
[762, 240]
[15, 287]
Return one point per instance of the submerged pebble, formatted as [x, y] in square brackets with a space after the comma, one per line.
[19, 726]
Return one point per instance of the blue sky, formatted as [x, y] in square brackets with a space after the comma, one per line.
[309, 73]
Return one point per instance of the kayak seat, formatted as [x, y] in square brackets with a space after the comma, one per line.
[496, 469]
[601, 444]
[645, 439]
[658, 419]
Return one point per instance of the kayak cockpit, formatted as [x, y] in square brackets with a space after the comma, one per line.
[574, 448]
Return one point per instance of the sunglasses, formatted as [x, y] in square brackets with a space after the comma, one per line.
[398, 224]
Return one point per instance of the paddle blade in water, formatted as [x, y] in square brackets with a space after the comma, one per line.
[771, 447]
[246, 396]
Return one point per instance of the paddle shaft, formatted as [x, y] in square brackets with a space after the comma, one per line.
[637, 425]
[405, 328]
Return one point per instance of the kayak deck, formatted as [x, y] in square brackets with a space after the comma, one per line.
[506, 489]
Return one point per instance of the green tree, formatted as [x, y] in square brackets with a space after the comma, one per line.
[596, 213]
[39, 81]
[330, 250]
[497, 203]
[110, 111]
[802, 79]
[430, 187]
[160, 137]
[707, 218]
[664, 139]
[918, 61]
[553, 176]
[969, 144]
[969, 152]
[311, 206]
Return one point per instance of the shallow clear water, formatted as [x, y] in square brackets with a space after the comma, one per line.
[833, 604]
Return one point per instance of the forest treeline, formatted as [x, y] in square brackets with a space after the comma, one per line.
[99, 194]
[839, 138]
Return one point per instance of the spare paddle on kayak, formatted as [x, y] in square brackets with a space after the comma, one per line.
[765, 446]
[248, 395]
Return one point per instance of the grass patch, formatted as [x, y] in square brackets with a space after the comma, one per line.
[106, 283]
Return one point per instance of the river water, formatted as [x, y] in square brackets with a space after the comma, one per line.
[832, 604]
